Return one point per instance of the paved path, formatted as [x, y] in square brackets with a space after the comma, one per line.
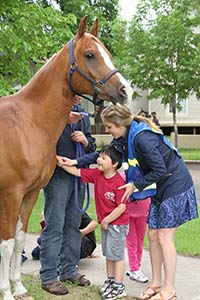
[187, 278]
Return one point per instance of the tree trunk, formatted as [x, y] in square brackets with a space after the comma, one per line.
[173, 102]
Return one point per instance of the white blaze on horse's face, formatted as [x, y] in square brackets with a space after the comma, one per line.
[106, 57]
[110, 65]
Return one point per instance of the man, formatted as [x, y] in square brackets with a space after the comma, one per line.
[61, 237]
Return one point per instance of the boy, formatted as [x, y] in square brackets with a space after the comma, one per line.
[112, 214]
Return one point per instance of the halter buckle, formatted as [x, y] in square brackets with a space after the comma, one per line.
[98, 85]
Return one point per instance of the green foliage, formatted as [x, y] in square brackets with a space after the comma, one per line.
[105, 10]
[164, 47]
[119, 45]
[32, 31]
[30, 34]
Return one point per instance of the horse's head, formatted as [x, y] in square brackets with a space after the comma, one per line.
[92, 68]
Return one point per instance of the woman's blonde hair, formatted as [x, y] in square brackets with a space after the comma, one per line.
[122, 116]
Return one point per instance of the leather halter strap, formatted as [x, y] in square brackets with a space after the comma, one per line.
[97, 85]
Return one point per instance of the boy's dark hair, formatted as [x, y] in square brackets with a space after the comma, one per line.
[115, 155]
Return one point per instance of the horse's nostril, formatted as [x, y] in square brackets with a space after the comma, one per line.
[122, 91]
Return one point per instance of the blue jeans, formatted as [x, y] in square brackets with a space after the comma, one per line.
[61, 238]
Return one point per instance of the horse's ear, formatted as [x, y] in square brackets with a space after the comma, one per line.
[82, 27]
[94, 28]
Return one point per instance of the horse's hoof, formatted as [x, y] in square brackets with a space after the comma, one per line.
[24, 296]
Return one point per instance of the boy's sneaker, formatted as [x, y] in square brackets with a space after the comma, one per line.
[105, 288]
[138, 276]
[115, 292]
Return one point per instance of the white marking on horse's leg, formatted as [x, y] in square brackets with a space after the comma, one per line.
[110, 65]
[6, 250]
[15, 270]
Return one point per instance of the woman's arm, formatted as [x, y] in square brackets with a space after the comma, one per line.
[87, 159]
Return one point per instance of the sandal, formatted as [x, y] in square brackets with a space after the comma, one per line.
[161, 297]
[149, 292]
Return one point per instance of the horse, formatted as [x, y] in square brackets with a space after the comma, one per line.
[31, 122]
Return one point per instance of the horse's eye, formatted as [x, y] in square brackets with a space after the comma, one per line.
[90, 55]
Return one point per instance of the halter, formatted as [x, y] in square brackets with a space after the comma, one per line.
[97, 85]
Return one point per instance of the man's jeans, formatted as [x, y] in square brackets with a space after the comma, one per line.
[61, 238]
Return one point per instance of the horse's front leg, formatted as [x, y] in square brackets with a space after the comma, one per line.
[20, 291]
[6, 250]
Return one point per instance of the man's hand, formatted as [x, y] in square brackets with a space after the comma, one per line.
[79, 136]
[74, 117]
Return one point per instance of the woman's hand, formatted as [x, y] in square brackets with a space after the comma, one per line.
[64, 161]
[129, 190]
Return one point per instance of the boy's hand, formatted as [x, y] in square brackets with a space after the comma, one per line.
[104, 224]
[64, 161]
[60, 161]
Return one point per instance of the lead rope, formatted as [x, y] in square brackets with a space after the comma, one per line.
[80, 152]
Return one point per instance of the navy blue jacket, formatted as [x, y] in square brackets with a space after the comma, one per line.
[154, 158]
[66, 147]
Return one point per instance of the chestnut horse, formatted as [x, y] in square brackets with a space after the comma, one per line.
[31, 122]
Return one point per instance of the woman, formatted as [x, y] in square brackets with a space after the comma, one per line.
[152, 159]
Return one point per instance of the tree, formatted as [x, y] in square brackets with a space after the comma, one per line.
[119, 44]
[105, 10]
[31, 31]
[30, 34]
[164, 51]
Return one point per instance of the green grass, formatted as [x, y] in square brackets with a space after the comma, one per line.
[33, 285]
[190, 154]
[187, 237]
[34, 222]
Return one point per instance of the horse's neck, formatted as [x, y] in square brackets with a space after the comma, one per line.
[47, 95]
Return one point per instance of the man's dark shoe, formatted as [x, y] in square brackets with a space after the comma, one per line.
[78, 279]
[56, 288]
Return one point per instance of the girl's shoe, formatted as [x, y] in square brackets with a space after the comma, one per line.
[138, 276]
